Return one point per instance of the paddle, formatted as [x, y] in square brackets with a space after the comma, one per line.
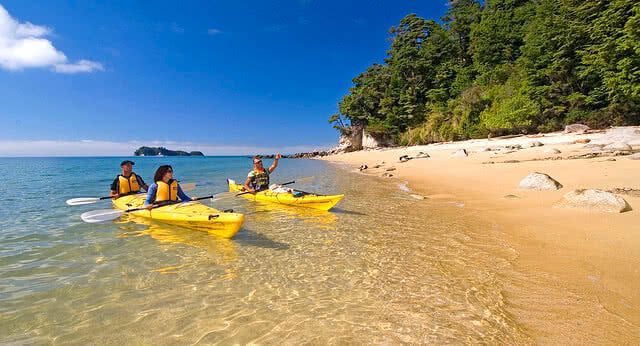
[103, 215]
[91, 200]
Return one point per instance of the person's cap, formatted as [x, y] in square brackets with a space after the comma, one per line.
[126, 162]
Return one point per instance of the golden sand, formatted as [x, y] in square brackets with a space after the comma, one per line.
[593, 253]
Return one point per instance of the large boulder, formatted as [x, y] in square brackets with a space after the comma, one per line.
[617, 146]
[576, 128]
[635, 156]
[594, 200]
[539, 181]
[372, 141]
[344, 143]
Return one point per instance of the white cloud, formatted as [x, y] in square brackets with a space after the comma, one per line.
[80, 66]
[214, 32]
[89, 147]
[22, 45]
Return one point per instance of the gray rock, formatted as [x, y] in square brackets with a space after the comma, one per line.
[539, 181]
[387, 175]
[594, 200]
[535, 144]
[486, 149]
[513, 147]
[576, 128]
[552, 151]
[422, 155]
[618, 146]
[594, 146]
[511, 197]
[390, 169]
[635, 156]
[460, 153]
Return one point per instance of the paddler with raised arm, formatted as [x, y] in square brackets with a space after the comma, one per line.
[258, 178]
[128, 182]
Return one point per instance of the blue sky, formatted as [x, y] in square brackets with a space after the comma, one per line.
[228, 77]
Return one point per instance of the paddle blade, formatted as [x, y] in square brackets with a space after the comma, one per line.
[82, 200]
[104, 215]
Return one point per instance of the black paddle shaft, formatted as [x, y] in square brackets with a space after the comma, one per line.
[168, 203]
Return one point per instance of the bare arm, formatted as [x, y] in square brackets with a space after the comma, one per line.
[275, 163]
[247, 185]
[114, 189]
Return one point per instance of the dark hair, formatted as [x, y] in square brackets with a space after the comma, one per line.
[161, 171]
[257, 157]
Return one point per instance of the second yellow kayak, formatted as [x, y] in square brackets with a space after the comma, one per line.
[310, 200]
[194, 215]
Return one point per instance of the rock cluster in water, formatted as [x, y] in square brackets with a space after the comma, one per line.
[161, 151]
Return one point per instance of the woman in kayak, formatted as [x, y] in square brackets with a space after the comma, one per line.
[165, 188]
[258, 178]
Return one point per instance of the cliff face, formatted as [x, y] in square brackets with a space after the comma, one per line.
[157, 151]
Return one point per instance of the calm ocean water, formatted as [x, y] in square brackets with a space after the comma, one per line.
[381, 268]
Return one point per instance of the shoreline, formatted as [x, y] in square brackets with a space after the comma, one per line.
[594, 253]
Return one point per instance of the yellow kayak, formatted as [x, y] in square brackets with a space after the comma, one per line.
[309, 200]
[194, 215]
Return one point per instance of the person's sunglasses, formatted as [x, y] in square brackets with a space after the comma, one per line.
[257, 162]
[169, 171]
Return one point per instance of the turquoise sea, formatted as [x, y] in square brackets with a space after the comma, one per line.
[380, 268]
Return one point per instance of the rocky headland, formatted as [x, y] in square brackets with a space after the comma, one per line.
[161, 151]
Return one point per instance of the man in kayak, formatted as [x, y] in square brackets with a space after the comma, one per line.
[128, 182]
[258, 178]
[165, 188]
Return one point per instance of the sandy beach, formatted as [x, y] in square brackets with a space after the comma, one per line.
[592, 252]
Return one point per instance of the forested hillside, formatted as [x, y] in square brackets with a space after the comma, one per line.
[500, 67]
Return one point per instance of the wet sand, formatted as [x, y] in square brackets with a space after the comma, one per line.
[593, 257]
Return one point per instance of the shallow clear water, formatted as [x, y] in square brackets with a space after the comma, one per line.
[381, 267]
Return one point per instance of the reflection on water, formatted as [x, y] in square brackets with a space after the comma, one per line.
[381, 268]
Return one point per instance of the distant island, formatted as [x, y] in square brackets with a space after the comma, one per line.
[161, 151]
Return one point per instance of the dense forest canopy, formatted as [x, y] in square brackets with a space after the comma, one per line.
[499, 67]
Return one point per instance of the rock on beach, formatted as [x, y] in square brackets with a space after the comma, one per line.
[539, 181]
[594, 200]
[576, 128]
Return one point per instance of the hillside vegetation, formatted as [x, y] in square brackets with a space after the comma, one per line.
[502, 67]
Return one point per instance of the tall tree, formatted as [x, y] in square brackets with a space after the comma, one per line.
[497, 38]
